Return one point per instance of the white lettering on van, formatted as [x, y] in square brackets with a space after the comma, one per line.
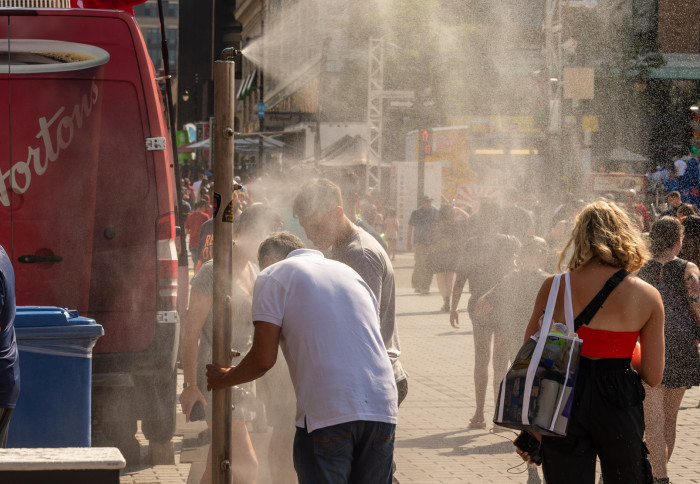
[54, 140]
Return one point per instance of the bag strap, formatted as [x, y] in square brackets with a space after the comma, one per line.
[568, 305]
[587, 314]
[539, 348]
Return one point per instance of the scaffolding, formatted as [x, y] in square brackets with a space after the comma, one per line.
[375, 108]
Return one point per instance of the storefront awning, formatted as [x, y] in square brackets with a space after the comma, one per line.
[678, 66]
[248, 85]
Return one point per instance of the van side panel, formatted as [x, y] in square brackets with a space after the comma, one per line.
[48, 195]
[131, 191]
[123, 281]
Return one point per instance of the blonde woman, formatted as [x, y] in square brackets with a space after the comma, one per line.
[607, 415]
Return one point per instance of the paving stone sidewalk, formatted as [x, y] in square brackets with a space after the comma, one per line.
[433, 443]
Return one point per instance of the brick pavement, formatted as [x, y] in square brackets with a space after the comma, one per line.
[433, 442]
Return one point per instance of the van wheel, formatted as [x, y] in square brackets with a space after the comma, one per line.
[159, 425]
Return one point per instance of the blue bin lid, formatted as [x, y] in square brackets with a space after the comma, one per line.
[55, 331]
[41, 316]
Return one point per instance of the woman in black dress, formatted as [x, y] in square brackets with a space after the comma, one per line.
[677, 282]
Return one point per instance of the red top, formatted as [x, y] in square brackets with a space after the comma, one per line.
[193, 225]
[599, 343]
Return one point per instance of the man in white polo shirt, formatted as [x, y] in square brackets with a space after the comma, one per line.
[326, 319]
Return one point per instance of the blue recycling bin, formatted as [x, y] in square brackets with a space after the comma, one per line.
[55, 364]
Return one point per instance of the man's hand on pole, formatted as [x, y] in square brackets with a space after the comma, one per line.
[216, 377]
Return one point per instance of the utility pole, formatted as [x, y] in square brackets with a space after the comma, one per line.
[222, 134]
[425, 147]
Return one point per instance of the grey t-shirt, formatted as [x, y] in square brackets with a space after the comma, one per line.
[366, 256]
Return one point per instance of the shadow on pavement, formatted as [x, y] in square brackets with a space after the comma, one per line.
[424, 313]
[462, 443]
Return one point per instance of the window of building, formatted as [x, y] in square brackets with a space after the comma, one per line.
[156, 57]
[172, 57]
[171, 35]
[152, 37]
[150, 9]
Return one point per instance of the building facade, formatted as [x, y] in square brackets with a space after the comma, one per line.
[205, 29]
[146, 15]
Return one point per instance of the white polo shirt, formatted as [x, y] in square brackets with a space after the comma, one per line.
[330, 337]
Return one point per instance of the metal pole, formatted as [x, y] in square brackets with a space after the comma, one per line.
[420, 188]
[222, 133]
[183, 275]
[261, 154]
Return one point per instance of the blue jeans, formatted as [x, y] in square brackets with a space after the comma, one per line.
[359, 452]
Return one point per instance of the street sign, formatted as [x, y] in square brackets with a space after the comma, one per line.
[401, 104]
[261, 110]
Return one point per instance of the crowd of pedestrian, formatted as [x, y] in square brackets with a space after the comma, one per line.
[682, 175]
[505, 250]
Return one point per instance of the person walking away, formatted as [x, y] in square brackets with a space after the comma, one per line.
[512, 297]
[391, 232]
[9, 354]
[607, 414]
[684, 210]
[517, 220]
[420, 226]
[440, 259]
[324, 316]
[674, 201]
[677, 282]
[486, 257]
[691, 246]
[193, 226]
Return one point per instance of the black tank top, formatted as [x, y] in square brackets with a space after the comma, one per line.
[671, 274]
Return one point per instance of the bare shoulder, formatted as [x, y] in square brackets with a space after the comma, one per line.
[640, 290]
[692, 269]
[547, 284]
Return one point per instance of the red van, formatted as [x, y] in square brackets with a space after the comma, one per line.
[87, 202]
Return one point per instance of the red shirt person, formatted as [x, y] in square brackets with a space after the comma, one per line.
[193, 226]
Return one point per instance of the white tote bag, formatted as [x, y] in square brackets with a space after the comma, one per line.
[537, 391]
